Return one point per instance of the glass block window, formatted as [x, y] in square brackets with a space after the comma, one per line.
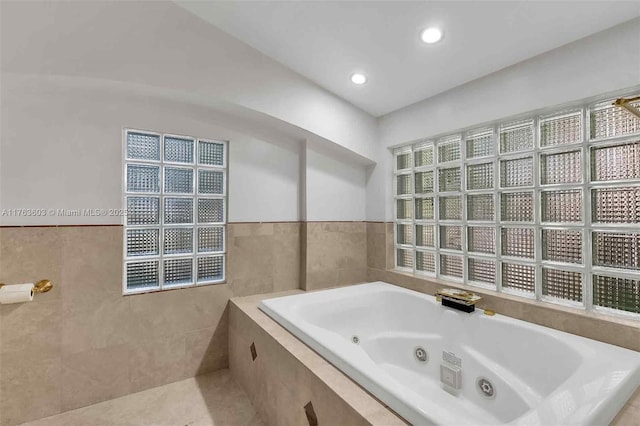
[482, 271]
[175, 196]
[546, 207]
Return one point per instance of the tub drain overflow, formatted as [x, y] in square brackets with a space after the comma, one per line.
[355, 339]
[486, 388]
[421, 355]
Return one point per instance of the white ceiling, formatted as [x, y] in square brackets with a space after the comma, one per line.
[328, 41]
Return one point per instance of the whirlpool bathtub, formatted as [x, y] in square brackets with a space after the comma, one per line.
[435, 365]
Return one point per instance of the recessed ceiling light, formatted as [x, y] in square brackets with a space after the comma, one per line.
[358, 78]
[431, 35]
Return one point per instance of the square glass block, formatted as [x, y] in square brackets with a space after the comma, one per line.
[616, 249]
[178, 210]
[618, 162]
[481, 239]
[403, 184]
[516, 137]
[565, 285]
[561, 245]
[178, 272]
[424, 182]
[211, 153]
[483, 271]
[423, 155]
[451, 237]
[210, 268]
[404, 258]
[178, 181]
[480, 207]
[564, 167]
[142, 146]
[425, 236]
[211, 182]
[518, 172]
[607, 120]
[516, 207]
[143, 242]
[562, 206]
[449, 179]
[141, 178]
[518, 242]
[143, 275]
[211, 239]
[617, 293]
[480, 176]
[561, 129]
[143, 210]
[403, 160]
[451, 265]
[425, 261]
[210, 210]
[451, 208]
[480, 143]
[178, 240]
[424, 208]
[616, 205]
[178, 150]
[403, 209]
[404, 233]
[518, 277]
[448, 151]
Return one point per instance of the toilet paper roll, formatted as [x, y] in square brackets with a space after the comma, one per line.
[16, 293]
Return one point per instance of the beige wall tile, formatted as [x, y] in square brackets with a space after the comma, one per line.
[206, 350]
[91, 266]
[95, 375]
[109, 323]
[376, 245]
[352, 275]
[155, 362]
[336, 254]
[287, 256]
[250, 258]
[321, 279]
[161, 314]
[208, 304]
[391, 262]
[30, 254]
[250, 374]
[32, 328]
[169, 335]
[30, 387]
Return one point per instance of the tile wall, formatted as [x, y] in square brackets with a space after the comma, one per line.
[334, 253]
[84, 342]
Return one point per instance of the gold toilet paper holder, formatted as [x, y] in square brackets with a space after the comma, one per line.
[41, 286]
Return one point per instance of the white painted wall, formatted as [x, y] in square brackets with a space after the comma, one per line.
[335, 189]
[161, 45]
[263, 181]
[604, 62]
[61, 148]
[601, 63]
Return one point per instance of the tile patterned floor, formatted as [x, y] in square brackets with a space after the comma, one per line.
[209, 400]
